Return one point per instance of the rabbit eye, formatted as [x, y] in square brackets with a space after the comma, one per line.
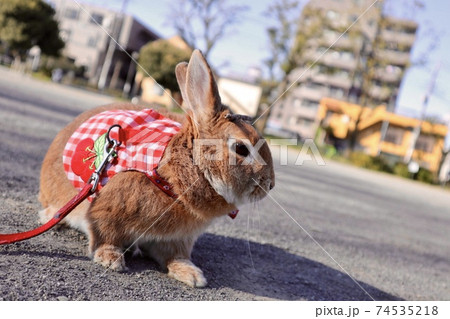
[241, 149]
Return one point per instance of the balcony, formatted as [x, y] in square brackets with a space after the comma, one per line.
[402, 38]
[380, 93]
[393, 57]
[311, 93]
[336, 80]
[338, 40]
[342, 60]
[390, 74]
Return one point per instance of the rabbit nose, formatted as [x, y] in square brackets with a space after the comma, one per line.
[272, 185]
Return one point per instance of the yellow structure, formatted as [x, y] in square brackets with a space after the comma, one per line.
[340, 118]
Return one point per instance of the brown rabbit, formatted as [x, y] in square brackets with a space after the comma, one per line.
[131, 210]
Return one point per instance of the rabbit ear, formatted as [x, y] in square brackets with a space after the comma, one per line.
[200, 89]
[181, 72]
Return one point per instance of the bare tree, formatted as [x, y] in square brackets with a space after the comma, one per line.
[202, 23]
[285, 14]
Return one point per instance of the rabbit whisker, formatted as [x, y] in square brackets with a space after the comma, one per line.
[248, 242]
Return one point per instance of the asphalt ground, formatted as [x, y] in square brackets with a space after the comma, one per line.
[326, 232]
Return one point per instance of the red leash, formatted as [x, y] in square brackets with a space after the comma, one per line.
[108, 154]
[63, 212]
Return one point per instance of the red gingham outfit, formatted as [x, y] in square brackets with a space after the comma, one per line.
[144, 136]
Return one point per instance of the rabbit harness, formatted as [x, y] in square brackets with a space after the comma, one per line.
[143, 137]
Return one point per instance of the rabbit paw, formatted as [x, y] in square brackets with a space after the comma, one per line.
[185, 271]
[46, 214]
[110, 257]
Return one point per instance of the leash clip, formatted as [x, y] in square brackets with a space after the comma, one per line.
[108, 155]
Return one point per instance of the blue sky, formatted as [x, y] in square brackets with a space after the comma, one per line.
[246, 46]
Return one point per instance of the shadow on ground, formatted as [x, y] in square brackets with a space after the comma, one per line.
[267, 273]
[271, 272]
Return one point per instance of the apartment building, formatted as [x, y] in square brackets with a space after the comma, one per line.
[338, 119]
[86, 29]
[364, 65]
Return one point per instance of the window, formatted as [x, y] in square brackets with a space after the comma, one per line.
[65, 35]
[332, 15]
[396, 47]
[72, 13]
[330, 34]
[336, 92]
[97, 18]
[335, 54]
[392, 45]
[401, 29]
[394, 135]
[321, 50]
[393, 69]
[343, 73]
[425, 143]
[92, 42]
[341, 55]
[410, 30]
[301, 121]
[314, 85]
[348, 56]
[310, 104]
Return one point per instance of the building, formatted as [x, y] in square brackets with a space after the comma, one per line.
[241, 96]
[338, 120]
[86, 29]
[365, 65]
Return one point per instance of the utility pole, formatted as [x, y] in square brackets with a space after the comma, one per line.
[416, 131]
[109, 54]
[114, 37]
[124, 6]
[131, 72]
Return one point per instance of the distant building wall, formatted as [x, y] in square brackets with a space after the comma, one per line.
[241, 97]
[87, 32]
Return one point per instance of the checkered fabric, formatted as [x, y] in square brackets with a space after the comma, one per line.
[144, 136]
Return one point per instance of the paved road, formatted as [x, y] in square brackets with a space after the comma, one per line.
[330, 232]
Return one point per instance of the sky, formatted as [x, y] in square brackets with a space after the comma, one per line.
[246, 46]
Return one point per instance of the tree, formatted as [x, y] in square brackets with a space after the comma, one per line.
[158, 60]
[280, 34]
[26, 23]
[202, 23]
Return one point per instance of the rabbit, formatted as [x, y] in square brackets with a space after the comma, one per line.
[131, 210]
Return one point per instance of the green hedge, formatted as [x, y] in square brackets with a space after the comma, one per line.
[400, 169]
[366, 161]
[425, 175]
